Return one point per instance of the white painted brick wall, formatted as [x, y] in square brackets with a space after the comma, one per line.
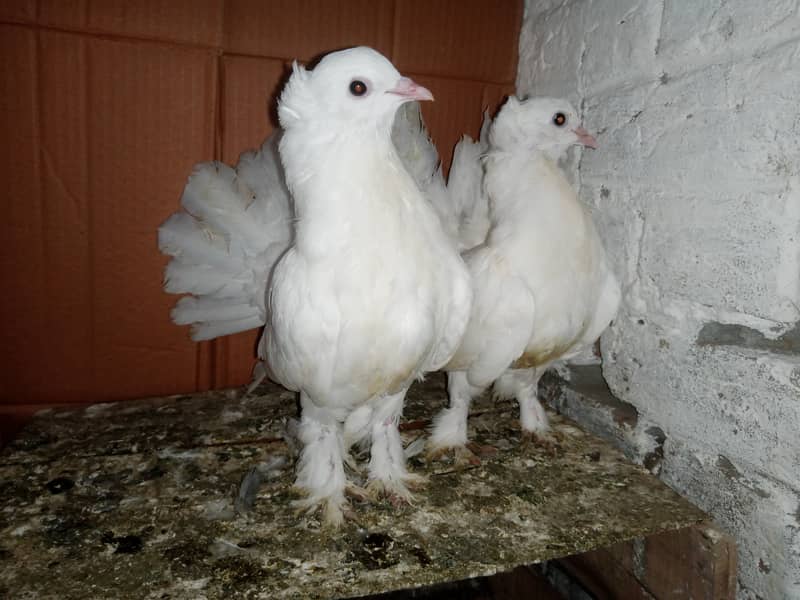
[696, 187]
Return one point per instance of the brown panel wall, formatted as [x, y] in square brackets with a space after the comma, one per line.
[105, 105]
[64, 152]
[152, 111]
[22, 261]
[469, 39]
[191, 21]
[249, 86]
[303, 29]
[18, 11]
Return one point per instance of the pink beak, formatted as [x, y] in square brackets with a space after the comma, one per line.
[585, 138]
[412, 91]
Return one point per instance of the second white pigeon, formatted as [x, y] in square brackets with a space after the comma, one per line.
[543, 287]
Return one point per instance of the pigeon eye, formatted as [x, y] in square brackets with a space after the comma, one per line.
[358, 87]
[559, 119]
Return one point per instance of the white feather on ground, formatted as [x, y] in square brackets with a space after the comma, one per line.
[543, 289]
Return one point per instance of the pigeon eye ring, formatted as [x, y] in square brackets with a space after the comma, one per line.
[358, 87]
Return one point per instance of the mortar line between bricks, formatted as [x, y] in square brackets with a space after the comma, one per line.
[632, 81]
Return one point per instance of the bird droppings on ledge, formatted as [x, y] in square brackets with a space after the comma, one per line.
[142, 503]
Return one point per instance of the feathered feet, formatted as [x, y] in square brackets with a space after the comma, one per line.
[320, 470]
[449, 443]
[321, 473]
[536, 431]
[448, 438]
[321, 476]
[387, 474]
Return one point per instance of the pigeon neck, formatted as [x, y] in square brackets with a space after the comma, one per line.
[524, 189]
[310, 149]
[340, 184]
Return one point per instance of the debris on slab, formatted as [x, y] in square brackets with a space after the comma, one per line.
[191, 497]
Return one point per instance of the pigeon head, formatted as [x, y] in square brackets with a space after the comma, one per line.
[546, 125]
[357, 88]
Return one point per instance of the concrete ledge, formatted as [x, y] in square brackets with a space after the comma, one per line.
[138, 501]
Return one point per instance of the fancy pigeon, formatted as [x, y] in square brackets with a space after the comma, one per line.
[543, 288]
[360, 296]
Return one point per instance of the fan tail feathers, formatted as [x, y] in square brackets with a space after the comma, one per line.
[467, 202]
[234, 226]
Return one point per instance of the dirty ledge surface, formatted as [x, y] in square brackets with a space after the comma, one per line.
[137, 500]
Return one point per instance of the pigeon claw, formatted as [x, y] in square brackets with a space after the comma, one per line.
[333, 510]
[356, 492]
[396, 492]
[415, 482]
[549, 441]
[481, 450]
[459, 456]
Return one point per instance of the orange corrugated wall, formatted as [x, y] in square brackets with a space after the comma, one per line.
[105, 105]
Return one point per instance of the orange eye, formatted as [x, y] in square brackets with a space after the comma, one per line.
[358, 88]
[559, 119]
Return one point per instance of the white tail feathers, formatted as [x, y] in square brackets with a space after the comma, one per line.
[190, 310]
[418, 154]
[462, 205]
[236, 225]
[415, 148]
[467, 209]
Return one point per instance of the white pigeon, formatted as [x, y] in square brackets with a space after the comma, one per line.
[367, 293]
[543, 288]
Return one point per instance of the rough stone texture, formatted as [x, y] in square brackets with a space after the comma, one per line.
[140, 501]
[696, 189]
[727, 334]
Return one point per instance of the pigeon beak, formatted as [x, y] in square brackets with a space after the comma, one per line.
[585, 138]
[407, 89]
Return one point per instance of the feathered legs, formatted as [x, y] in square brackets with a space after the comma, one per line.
[320, 468]
[450, 425]
[523, 384]
[387, 471]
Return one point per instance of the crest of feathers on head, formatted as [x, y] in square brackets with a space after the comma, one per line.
[296, 99]
[326, 95]
[528, 125]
